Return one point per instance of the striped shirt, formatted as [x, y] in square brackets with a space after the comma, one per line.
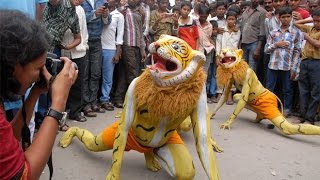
[133, 28]
[284, 58]
[58, 19]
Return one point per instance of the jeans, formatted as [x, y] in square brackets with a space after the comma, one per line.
[92, 73]
[248, 50]
[284, 77]
[309, 86]
[211, 80]
[107, 74]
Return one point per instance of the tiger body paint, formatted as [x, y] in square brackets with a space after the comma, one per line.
[253, 95]
[156, 103]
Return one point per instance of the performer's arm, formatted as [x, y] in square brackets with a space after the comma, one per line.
[202, 133]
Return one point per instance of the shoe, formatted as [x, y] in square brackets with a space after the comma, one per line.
[78, 118]
[64, 128]
[118, 105]
[97, 109]
[214, 99]
[89, 113]
[286, 113]
[107, 106]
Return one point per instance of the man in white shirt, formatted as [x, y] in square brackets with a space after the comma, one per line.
[111, 40]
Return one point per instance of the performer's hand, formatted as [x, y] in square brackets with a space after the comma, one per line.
[226, 125]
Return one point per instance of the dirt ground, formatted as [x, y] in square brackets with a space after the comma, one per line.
[251, 152]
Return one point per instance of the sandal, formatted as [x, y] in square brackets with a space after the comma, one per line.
[229, 102]
[78, 118]
[89, 113]
[64, 127]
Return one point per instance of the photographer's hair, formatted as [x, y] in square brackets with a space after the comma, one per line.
[285, 10]
[22, 41]
[203, 9]
[315, 12]
[186, 3]
[231, 13]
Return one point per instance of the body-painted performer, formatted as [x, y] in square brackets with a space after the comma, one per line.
[170, 90]
[233, 70]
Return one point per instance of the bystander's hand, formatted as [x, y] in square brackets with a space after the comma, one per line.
[221, 30]
[282, 44]
[292, 75]
[102, 11]
[296, 15]
[116, 58]
[269, 15]
[256, 54]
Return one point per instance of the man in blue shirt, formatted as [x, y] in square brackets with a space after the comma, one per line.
[96, 15]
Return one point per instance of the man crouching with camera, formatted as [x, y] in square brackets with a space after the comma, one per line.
[23, 52]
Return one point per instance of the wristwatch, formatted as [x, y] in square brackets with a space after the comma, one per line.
[59, 116]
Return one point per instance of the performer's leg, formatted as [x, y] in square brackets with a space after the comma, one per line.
[92, 143]
[259, 117]
[287, 128]
[176, 159]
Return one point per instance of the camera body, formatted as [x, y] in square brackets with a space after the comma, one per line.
[54, 66]
[106, 5]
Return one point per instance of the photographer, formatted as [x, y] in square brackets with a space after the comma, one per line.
[23, 51]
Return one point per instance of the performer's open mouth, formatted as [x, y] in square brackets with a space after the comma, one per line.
[162, 64]
[228, 59]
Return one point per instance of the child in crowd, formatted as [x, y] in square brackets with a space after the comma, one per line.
[211, 80]
[188, 30]
[230, 39]
[176, 10]
[221, 8]
[205, 31]
[309, 84]
[284, 46]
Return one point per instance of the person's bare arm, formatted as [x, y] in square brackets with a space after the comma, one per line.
[39, 151]
[39, 11]
[76, 41]
[313, 42]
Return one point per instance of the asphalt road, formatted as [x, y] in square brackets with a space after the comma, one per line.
[251, 152]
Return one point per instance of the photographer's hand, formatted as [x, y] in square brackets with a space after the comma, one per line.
[61, 85]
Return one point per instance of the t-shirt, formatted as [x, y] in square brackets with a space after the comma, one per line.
[11, 154]
[304, 13]
[189, 33]
[26, 6]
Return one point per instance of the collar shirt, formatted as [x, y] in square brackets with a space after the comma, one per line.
[253, 25]
[58, 19]
[112, 34]
[284, 58]
[228, 40]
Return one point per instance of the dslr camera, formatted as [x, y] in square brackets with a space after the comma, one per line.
[54, 66]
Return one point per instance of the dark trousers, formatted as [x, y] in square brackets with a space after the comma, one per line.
[283, 77]
[309, 86]
[92, 73]
[75, 100]
[129, 68]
